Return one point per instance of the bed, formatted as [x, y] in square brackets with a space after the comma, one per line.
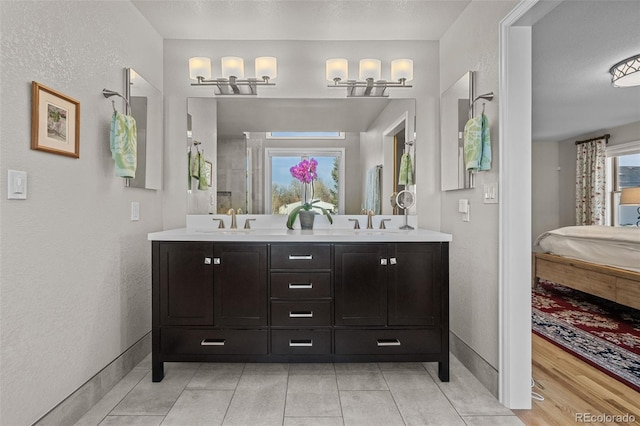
[599, 260]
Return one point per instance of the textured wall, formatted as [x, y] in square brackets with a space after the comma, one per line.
[75, 271]
[472, 44]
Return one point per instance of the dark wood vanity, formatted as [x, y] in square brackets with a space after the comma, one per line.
[221, 301]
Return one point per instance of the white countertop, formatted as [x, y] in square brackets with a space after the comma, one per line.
[297, 235]
[267, 228]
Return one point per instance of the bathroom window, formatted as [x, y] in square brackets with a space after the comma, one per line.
[284, 192]
[305, 135]
[623, 171]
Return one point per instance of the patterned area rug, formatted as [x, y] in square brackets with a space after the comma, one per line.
[602, 333]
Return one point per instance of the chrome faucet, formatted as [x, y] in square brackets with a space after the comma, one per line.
[234, 225]
[370, 219]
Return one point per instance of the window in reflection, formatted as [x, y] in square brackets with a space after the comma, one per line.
[286, 192]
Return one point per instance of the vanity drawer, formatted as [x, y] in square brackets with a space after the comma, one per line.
[301, 313]
[300, 285]
[387, 342]
[208, 341]
[300, 256]
[300, 342]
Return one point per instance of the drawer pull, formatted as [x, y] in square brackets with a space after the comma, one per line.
[301, 286]
[389, 342]
[301, 342]
[212, 342]
[300, 257]
[301, 314]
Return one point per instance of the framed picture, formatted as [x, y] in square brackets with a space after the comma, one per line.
[209, 172]
[55, 122]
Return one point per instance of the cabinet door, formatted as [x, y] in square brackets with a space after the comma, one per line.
[185, 277]
[414, 284]
[361, 284]
[240, 277]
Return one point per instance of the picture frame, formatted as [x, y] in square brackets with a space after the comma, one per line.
[209, 172]
[55, 122]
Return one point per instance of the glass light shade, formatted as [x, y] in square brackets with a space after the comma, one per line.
[370, 68]
[626, 73]
[630, 196]
[199, 67]
[402, 69]
[266, 66]
[337, 68]
[232, 66]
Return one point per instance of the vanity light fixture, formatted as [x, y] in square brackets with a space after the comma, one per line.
[369, 83]
[232, 81]
[626, 73]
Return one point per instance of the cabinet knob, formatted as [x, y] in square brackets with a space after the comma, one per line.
[207, 261]
[393, 261]
[383, 262]
[217, 261]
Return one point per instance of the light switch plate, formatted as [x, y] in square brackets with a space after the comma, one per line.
[490, 193]
[135, 210]
[16, 185]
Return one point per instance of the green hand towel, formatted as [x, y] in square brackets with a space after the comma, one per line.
[199, 171]
[477, 144]
[123, 143]
[405, 176]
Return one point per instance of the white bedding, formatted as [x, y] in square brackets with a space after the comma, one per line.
[604, 245]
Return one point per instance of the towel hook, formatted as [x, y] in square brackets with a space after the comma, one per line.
[486, 96]
[109, 93]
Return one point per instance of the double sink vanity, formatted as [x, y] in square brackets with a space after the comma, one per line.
[269, 294]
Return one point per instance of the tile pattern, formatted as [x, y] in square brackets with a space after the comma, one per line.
[297, 395]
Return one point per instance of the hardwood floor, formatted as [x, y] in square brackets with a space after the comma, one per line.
[572, 388]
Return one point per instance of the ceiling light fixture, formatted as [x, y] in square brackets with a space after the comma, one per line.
[370, 84]
[232, 81]
[626, 73]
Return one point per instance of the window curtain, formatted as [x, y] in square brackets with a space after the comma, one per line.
[590, 182]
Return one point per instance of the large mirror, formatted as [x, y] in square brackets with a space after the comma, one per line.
[240, 151]
[145, 105]
[455, 111]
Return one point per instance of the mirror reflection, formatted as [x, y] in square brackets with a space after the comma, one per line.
[250, 145]
[146, 107]
[455, 106]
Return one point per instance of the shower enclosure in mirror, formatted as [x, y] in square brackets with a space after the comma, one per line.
[455, 111]
[252, 144]
[146, 107]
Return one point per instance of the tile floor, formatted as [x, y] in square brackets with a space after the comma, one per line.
[299, 394]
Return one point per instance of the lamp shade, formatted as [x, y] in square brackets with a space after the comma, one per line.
[266, 66]
[199, 67]
[232, 66]
[337, 69]
[370, 68]
[630, 196]
[626, 73]
[402, 69]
